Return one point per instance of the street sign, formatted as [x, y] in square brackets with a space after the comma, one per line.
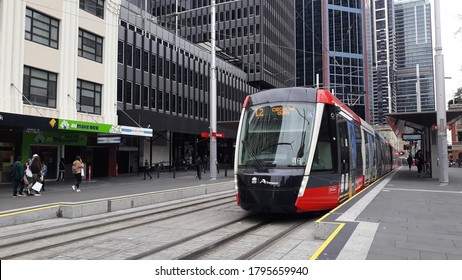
[205, 135]
[218, 134]
[408, 137]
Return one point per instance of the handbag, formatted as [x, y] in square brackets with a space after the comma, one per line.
[83, 172]
[28, 172]
[37, 186]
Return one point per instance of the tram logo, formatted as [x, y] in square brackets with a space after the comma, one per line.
[264, 182]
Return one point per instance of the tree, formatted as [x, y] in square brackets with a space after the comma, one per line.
[457, 97]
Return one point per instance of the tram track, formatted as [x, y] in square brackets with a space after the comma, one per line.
[224, 240]
[29, 242]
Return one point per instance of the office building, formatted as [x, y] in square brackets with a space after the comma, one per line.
[163, 83]
[383, 64]
[331, 49]
[414, 56]
[255, 35]
[58, 62]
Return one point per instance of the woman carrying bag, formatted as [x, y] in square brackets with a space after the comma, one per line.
[77, 167]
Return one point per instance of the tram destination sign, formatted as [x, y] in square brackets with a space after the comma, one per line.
[412, 137]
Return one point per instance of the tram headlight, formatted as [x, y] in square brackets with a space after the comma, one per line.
[301, 191]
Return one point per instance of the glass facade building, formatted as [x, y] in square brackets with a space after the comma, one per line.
[414, 56]
[330, 45]
[383, 64]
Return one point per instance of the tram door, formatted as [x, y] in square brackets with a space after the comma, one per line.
[344, 157]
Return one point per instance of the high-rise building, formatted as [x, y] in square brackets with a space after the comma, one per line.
[255, 35]
[383, 61]
[163, 82]
[414, 56]
[331, 49]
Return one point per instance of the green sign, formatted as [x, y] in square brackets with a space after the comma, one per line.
[84, 126]
[104, 128]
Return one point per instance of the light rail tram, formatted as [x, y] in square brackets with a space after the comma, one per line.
[302, 149]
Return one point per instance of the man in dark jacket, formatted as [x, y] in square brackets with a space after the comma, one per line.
[18, 176]
[198, 167]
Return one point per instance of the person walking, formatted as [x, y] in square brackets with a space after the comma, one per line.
[410, 161]
[44, 172]
[77, 167]
[62, 170]
[419, 162]
[36, 168]
[18, 177]
[146, 170]
[198, 164]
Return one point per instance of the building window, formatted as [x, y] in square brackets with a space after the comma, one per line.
[137, 94]
[41, 28]
[128, 92]
[88, 97]
[120, 52]
[90, 46]
[39, 87]
[94, 7]
[120, 97]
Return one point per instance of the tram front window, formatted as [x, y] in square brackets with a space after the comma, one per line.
[276, 135]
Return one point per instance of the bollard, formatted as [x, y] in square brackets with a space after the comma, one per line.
[117, 169]
[226, 170]
[174, 171]
[89, 174]
[158, 172]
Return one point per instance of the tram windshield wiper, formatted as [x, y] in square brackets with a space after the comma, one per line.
[277, 144]
[253, 154]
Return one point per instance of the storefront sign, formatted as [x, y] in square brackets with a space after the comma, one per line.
[54, 138]
[104, 128]
[9, 119]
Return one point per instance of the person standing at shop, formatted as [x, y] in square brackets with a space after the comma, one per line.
[18, 177]
[77, 167]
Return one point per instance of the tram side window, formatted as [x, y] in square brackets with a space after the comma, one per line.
[359, 151]
[323, 154]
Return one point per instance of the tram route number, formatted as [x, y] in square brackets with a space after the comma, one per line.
[277, 271]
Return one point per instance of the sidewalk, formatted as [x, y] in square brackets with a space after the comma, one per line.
[107, 187]
[403, 217]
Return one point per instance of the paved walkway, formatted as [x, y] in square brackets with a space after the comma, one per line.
[100, 188]
[403, 217]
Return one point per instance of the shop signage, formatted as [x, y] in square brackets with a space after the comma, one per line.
[108, 140]
[54, 138]
[103, 128]
[409, 137]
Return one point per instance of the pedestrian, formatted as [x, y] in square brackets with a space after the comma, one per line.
[419, 162]
[18, 177]
[198, 167]
[146, 170]
[77, 167]
[62, 170]
[206, 161]
[36, 168]
[44, 172]
[410, 161]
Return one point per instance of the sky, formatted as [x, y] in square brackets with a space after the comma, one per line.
[451, 21]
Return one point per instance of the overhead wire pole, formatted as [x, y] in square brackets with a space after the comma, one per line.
[441, 123]
[213, 97]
